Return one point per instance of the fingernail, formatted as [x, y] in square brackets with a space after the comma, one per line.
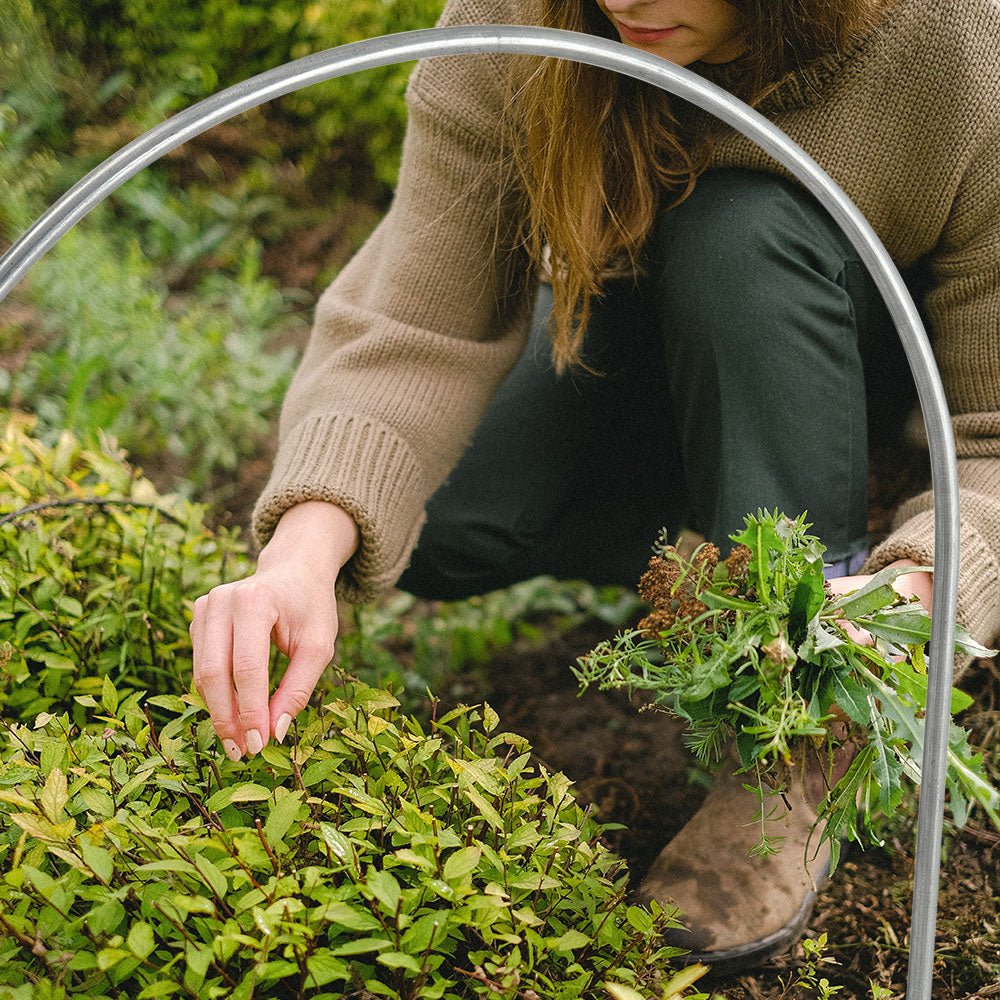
[281, 727]
[254, 743]
[232, 750]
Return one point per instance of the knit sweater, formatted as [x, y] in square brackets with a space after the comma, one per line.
[413, 337]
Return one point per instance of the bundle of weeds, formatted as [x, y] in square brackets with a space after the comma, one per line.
[756, 649]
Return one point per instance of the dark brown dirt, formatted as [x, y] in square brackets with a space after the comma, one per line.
[629, 764]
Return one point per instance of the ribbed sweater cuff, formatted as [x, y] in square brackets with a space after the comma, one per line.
[978, 574]
[368, 470]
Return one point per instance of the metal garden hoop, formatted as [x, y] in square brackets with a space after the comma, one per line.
[479, 39]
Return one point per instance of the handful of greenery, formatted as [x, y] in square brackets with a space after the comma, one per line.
[757, 647]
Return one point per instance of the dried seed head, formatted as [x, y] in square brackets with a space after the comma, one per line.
[738, 564]
[659, 621]
[657, 582]
[779, 652]
[706, 557]
[691, 607]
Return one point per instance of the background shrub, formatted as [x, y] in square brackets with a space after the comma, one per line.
[155, 320]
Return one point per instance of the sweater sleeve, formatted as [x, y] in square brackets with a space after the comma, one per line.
[963, 313]
[410, 342]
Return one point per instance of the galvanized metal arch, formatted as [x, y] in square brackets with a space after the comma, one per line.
[478, 39]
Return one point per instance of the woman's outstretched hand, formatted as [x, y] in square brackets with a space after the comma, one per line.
[289, 601]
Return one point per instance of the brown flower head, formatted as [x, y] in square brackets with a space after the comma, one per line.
[659, 621]
[706, 558]
[738, 564]
[657, 583]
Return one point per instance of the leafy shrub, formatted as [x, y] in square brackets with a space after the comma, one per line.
[201, 46]
[377, 856]
[95, 583]
[372, 858]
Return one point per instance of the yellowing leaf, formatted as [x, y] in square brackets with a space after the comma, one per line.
[13, 797]
[678, 983]
[622, 992]
[140, 939]
[377, 725]
[36, 826]
[490, 719]
[54, 795]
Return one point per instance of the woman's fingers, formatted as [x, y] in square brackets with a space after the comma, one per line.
[288, 601]
[252, 624]
[231, 635]
[212, 639]
[308, 661]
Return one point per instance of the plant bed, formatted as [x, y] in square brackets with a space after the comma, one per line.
[372, 857]
[629, 767]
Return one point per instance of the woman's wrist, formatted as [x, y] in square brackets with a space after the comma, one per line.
[317, 531]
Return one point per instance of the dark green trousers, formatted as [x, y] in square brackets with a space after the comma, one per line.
[734, 378]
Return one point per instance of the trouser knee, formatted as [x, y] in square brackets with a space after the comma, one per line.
[758, 297]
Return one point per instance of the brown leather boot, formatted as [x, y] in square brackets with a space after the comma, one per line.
[738, 910]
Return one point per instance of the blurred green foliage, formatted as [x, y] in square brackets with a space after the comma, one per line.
[191, 379]
[155, 317]
[79, 78]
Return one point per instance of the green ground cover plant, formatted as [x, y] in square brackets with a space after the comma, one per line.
[376, 855]
[372, 857]
[756, 649]
[97, 571]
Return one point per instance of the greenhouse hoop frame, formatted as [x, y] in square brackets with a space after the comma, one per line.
[406, 46]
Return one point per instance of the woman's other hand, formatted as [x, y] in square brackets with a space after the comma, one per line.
[289, 601]
[919, 585]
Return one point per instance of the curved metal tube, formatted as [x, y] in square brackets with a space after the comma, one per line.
[477, 39]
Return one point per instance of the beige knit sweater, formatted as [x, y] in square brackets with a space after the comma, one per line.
[415, 334]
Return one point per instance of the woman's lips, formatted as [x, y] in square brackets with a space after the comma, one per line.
[644, 36]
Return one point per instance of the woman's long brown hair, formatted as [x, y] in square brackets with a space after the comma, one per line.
[599, 154]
